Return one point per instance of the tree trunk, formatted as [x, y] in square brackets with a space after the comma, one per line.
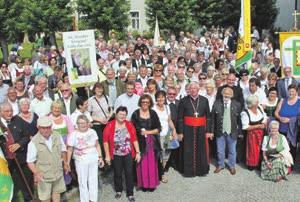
[52, 39]
[106, 34]
[4, 49]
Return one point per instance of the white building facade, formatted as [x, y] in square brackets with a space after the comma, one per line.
[285, 19]
[137, 15]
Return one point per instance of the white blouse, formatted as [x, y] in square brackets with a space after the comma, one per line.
[254, 118]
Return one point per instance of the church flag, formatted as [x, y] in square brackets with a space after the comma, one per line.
[244, 51]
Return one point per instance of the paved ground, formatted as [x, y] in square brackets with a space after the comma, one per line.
[244, 186]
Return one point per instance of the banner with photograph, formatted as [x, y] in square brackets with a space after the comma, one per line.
[80, 55]
[290, 51]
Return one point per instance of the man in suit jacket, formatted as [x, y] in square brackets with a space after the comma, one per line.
[176, 157]
[237, 91]
[283, 84]
[226, 127]
[277, 68]
[15, 143]
[112, 87]
[68, 99]
[173, 103]
[27, 77]
[52, 79]
[138, 59]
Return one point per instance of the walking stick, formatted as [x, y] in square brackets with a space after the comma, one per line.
[9, 141]
[23, 177]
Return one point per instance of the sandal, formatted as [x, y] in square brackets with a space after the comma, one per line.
[164, 179]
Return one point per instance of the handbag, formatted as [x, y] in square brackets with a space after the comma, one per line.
[109, 109]
[169, 142]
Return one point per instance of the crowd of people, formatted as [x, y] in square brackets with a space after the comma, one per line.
[181, 104]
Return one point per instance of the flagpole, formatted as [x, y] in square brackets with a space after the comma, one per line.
[9, 140]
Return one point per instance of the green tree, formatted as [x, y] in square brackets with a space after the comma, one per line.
[173, 15]
[11, 23]
[227, 13]
[105, 15]
[48, 17]
[217, 12]
[264, 13]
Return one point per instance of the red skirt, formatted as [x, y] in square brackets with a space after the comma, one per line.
[253, 147]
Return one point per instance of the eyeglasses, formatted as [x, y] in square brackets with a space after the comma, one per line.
[81, 123]
[145, 102]
[66, 90]
[202, 78]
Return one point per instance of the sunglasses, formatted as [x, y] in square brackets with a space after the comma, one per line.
[171, 93]
[202, 78]
[158, 70]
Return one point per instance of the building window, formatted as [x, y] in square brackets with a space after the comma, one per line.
[135, 19]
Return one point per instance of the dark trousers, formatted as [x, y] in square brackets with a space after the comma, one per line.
[99, 130]
[19, 184]
[241, 150]
[123, 163]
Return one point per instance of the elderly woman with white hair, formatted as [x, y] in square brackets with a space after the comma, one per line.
[211, 71]
[277, 158]
[254, 122]
[26, 118]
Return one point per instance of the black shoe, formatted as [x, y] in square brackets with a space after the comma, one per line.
[118, 195]
[131, 199]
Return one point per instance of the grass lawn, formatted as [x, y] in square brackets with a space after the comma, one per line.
[27, 51]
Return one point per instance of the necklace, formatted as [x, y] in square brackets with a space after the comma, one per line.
[26, 116]
[195, 108]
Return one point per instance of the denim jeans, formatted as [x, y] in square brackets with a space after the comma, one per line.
[222, 142]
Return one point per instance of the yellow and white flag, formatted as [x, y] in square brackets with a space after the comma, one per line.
[6, 183]
[290, 51]
[244, 51]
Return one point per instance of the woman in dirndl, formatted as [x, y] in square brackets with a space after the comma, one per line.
[254, 122]
[277, 158]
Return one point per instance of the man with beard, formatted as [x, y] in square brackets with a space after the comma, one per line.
[193, 122]
[112, 87]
